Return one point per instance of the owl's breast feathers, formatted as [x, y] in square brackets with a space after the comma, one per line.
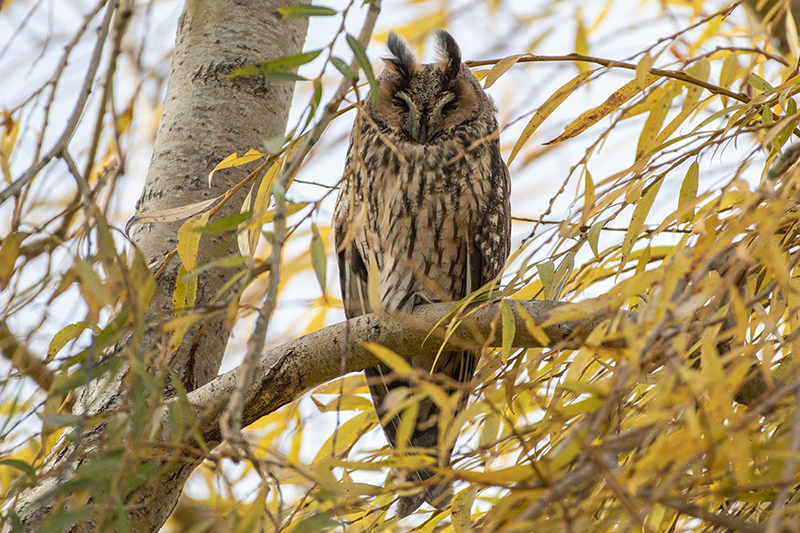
[435, 214]
[424, 206]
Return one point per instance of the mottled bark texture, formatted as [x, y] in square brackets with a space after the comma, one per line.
[286, 371]
[206, 117]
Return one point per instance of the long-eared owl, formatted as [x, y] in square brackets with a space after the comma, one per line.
[424, 206]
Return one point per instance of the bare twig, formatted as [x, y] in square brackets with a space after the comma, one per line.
[74, 119]
[23, 360]
[610, 63]
[231, 420]
[722, 520]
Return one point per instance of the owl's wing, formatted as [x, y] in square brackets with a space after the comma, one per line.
[492, 231]
[352, 268]
[490, 236]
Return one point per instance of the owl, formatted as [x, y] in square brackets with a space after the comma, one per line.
[423, 208]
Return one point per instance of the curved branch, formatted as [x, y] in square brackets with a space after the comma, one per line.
[285, 372]
[610, 63]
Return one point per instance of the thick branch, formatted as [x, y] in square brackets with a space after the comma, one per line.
[286, 371]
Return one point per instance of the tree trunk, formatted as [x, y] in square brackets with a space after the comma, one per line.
[206, 117]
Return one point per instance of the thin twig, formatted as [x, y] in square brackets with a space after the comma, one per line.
[789, 470]
[231, 418]
[721, 520]
[74, 119]
[610, 63]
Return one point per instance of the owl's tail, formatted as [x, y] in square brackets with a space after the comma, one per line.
[438, 496]
[455, 368]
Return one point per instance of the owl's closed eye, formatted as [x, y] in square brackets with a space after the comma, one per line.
[418, 102]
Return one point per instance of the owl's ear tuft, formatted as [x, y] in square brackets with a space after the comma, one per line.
[403, 62]
[449, 53]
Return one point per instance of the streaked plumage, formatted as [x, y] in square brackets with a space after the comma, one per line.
[426, 196]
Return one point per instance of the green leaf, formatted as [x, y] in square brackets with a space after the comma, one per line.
[759, 83]
[58, 420]
[547, 270]
[562, 275]
[316, 523]
[319, 260]
[303, 10]
[509, 330]
[16, 523]
[143, 473]
[67, 334]
[108, 335]
[63, 520]
[363, 61]
[222, 225]
[279, 69]
[342, 67]
[19, 465]
[461, 509]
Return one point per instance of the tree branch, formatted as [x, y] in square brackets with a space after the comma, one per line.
[285, 372]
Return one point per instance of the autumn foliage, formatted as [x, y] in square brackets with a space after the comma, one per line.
[655, 193]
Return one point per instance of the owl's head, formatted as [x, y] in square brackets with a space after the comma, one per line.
[423, 103]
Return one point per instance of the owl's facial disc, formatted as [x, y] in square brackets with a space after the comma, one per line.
[422, 103]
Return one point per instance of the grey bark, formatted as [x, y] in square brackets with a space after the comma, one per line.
[206, 117]
[286, 371]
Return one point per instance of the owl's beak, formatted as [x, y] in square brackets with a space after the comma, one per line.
[420, 133]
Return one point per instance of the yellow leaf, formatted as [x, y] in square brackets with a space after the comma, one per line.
[360, 489]
[730, 67]
[319, 259]
[547, 109]
[675, 123]
[637, 220]
[408, 423]
[67, 334]
[399, 366]
[234, 161]
[588, 196]
[185, 294]
[531, 291]
[612, 103]
[581, 43]
[547, 270]
[243, 232]
[504, 476]
[9, 252]
[347, 434]
[652, 125]
[643, 69]
[480, 74]
[689, 190]
[593, 235]
[261, 203]
[461, 509]
[346, 402]
[500, 68]
[189, 240]
[583, 406]
[536, 331]
[700, 69]
[8, 140]
[249, 515]
[171, 215]
[509, 330]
